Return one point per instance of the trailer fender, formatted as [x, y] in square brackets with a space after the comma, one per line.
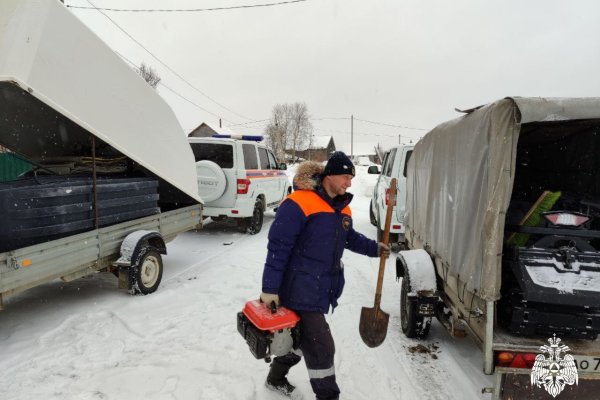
[417, 265]
[137, 242]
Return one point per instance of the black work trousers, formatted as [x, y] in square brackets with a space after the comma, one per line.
[318, 349]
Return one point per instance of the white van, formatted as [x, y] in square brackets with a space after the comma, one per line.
[238, 178]
[394, 166]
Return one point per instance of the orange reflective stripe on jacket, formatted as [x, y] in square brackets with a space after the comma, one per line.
[311, 203]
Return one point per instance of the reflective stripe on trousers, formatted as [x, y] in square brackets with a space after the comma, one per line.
[318, 349]
[321, 373]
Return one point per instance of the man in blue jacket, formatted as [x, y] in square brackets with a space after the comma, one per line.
[304, 271]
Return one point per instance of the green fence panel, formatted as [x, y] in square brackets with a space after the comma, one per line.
[12, 166]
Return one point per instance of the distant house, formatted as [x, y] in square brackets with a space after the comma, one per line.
[319, 149]
[366, 157]
[207, 130]
[362, 150]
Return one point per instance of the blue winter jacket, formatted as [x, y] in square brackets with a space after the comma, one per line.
[306, 243]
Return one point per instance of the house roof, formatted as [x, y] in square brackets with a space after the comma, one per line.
[218, 130]
[318, 143]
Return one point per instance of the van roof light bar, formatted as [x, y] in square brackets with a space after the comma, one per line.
[255, 138]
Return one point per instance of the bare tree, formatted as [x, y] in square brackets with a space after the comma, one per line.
[149, 75]
[289, 128]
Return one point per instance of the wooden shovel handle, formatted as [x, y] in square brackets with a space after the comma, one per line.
[386, 240]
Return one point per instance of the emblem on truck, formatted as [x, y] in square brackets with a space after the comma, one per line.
[556, 370]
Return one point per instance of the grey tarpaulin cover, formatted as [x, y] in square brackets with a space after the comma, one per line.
[460, 182]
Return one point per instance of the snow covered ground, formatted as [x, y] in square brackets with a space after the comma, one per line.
[88, 340]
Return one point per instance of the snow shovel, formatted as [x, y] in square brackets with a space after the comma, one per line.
[373, 321]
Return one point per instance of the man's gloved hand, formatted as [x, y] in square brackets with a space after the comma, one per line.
[269, 298]
[383, 250]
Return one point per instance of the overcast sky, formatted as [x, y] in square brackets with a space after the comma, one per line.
[406, 63]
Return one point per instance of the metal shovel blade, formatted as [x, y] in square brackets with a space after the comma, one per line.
[373, 325]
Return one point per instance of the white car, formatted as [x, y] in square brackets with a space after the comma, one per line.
[394, 165]
[238, 178]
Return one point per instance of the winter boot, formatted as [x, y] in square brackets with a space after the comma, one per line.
[277, 381]
[284, 387]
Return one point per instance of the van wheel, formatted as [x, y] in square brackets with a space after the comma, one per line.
[372, 214]
[413, 325]
[146, 274]
[255, 222]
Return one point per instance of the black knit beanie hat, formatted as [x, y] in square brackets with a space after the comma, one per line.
[339, 164]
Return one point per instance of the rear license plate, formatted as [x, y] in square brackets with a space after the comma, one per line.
[587, 364]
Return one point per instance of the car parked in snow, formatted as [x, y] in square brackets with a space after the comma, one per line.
[394, 166]
[238, 178]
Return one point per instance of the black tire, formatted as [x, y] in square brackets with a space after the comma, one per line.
[255, 222]
[372, 214]
[146, 273]
[413, 325]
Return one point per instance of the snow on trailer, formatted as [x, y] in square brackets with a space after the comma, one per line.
[511, 270]
[82, 118]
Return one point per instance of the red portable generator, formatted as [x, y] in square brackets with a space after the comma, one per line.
[268, 331]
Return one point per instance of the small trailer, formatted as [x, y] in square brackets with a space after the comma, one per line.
[503, 227]
[113, 178]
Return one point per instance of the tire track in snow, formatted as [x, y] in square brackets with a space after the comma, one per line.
[240, 240]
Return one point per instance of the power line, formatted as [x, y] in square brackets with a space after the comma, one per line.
[334, 118]
[394, 126]
[187, 10]
[356, 133]
[251, 122]
[370, 122]
[166, 87]
[165, 65]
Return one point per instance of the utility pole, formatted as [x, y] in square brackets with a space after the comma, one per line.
[399, 139]
[352, 138]
[220, 123]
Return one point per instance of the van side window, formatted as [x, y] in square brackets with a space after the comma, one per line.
[250, 160]
[387, 169]
[264, 158]
[408, 154]
[272, 161]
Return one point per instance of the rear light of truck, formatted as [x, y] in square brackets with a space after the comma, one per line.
[509, 359]
[242, 186]
[396, 226]
[566, 219]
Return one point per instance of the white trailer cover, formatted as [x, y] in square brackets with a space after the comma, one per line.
[48, 52]
[460, 182]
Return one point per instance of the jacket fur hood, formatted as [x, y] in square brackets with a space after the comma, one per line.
[308, 175]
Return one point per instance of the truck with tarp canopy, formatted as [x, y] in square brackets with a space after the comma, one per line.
[112, 178]
[503, 227]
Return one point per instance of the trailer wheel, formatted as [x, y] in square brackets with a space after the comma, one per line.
[146, 274]
[413, 325]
